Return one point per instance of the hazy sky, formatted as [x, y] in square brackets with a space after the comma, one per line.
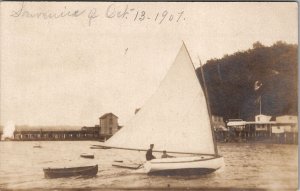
[72, 69]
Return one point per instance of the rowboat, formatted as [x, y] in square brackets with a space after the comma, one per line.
[84, 155]
[67, 172]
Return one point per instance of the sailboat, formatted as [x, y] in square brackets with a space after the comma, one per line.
[175, 119]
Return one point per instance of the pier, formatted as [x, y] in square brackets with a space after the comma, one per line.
[108, 125]
[283, 130]
[50, 134]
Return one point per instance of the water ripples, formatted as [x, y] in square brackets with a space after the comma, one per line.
[246, 166]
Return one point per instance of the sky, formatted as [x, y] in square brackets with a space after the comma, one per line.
[95, 58]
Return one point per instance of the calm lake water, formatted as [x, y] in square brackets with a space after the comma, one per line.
[247, 165]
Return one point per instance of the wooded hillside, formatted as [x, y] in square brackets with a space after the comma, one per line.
[231, 82]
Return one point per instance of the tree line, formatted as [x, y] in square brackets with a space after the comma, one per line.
[239, 83]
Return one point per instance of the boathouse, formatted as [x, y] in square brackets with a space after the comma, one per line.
[108, 125]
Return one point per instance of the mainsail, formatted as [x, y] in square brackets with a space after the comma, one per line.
[174, 119]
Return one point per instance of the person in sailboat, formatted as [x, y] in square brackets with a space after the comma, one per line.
[149, 155]
[165, 155]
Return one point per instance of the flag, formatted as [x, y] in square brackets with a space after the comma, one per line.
[257, 85]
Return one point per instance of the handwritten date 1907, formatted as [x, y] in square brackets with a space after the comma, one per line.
[140, 15]
[112, 11]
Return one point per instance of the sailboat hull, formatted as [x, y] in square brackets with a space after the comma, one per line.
[184, 165]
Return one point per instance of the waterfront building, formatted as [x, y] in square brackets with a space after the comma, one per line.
[283, 130]
[219, 127]
[91, 132]
[286, 123]
[286, 129]
[237, 124]
[262, 124]
[261, 127]
[108, 125]
[218, 123]
[27, 133]
[236, 129]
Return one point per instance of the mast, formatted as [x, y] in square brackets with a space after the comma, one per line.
[179, 97]
[208, 108]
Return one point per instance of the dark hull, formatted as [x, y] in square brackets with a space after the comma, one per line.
[68, 172]
[87, 156]
[183, 172]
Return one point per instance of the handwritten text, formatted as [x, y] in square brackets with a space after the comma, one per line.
[113, 11]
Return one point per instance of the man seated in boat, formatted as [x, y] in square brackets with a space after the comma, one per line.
[165, 155]
[149, 155]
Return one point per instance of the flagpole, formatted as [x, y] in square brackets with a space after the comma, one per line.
[257, 86]
[260, 104]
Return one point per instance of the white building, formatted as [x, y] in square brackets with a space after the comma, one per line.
[263, 123]
[237, 124]
[218, 123]
[286, 123]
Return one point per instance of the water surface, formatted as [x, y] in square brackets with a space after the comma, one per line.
[247, 165]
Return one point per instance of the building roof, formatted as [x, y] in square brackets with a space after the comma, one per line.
[47, 128]
[241, 123]
[260, 122]
[236, 123]
[287, 116]
[106, 114]
[287, 119]
[262, 118]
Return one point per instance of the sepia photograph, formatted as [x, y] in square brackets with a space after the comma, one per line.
[149, 95]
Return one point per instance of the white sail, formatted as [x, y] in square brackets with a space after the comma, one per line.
[174, 119]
